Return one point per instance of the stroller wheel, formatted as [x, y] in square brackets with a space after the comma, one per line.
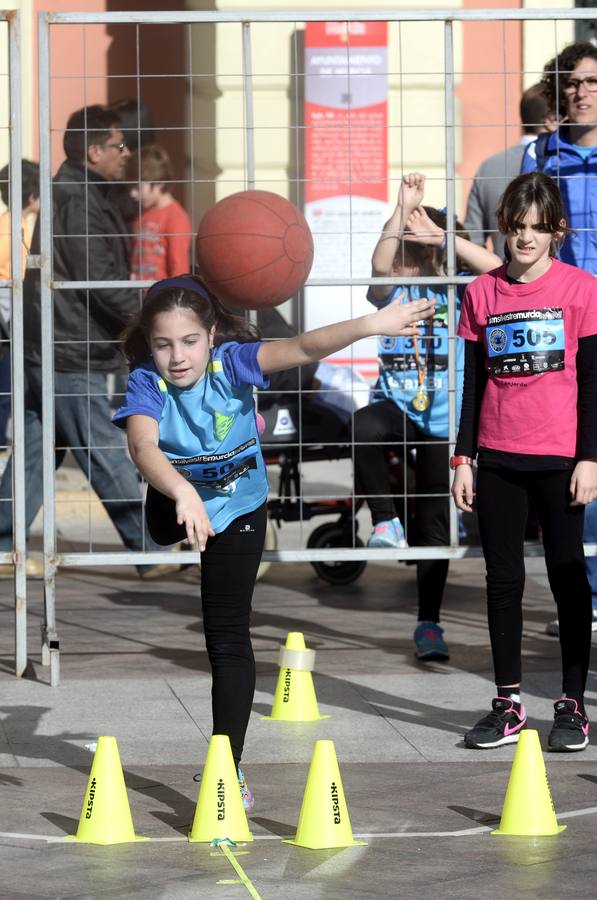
[333, 534]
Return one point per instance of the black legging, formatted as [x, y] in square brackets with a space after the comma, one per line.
[502, 505]
[228, 572]
[382, 426]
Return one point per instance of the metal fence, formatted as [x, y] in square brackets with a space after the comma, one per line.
[10, 137]
[298, 499]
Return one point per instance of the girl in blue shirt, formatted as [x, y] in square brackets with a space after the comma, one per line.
[410, 408]
[190, 419]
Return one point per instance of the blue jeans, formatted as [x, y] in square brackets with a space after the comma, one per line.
[590, 537]
[84, 426]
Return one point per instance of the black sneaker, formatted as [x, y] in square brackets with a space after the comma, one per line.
[570, 727]
[501, 726]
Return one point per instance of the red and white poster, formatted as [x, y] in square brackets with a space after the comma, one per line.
[346, 168]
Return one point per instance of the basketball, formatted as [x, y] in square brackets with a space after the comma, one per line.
[254, 249]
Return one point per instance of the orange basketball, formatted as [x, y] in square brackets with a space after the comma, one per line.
[254, 249]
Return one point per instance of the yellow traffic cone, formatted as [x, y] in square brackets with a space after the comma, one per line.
[106, 814]
[324, 821]
[219, 812]
[294, 698]
[528, 807]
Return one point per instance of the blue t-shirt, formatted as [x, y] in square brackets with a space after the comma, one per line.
[209, 431]
[399, 371]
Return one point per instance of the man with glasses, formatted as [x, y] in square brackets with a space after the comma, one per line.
[89, 244]
[569, 155]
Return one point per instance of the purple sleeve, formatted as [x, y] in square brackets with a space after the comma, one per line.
[378, 304]
[240, 364]
[142, 398]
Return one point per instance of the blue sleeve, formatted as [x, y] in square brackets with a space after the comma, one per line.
[142, 398]
[240, 364]
[529, 160]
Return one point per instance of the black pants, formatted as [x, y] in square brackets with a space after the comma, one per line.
[228, 571]
[382, 426]
[502, 504]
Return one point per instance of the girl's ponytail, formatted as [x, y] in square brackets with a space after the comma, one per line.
[134, 343]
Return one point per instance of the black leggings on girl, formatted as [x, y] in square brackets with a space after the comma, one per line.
[502, 505]
[228, 572]
[381, 426]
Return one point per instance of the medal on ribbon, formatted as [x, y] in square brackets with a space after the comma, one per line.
[422, 401]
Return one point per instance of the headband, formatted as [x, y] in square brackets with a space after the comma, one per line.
[184, 282]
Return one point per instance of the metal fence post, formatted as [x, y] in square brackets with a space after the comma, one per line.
[17, 365]
[50, 643]
[451, 250]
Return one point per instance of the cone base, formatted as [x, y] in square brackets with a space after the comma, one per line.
[298, 721]
[133, 840]
[312, 846]
[503, 833]
[244, 839]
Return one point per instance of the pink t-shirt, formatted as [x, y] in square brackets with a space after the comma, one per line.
[530, 333]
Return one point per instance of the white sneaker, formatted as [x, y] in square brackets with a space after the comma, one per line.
[553, 628]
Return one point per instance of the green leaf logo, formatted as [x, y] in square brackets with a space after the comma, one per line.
[223, 424]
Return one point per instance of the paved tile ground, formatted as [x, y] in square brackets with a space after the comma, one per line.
[133, 664]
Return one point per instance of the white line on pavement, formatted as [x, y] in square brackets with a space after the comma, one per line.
[466, 832]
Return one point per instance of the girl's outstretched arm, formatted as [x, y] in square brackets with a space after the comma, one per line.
[143, 436]
[392, 320]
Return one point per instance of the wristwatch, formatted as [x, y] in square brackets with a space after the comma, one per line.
[460, 461]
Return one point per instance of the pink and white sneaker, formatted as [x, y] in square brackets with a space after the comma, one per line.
[388, 533]
[501, 726]
[570, 729]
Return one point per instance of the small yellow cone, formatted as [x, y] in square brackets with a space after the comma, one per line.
[528, 807]
[294, 698]
[324, 821]
[106, 814]
[219, 812]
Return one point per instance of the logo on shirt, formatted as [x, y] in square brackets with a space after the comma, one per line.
[497, 339]
[222, 425]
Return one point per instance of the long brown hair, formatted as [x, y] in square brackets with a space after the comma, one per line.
[538, 190]
[182, 292]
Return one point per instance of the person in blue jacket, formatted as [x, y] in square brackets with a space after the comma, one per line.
[570, 156]
[192, 432]
[410, 408]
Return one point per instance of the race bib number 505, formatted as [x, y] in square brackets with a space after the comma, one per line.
[527, 342]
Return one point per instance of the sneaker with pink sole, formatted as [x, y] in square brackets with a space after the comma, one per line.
[388, 533]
